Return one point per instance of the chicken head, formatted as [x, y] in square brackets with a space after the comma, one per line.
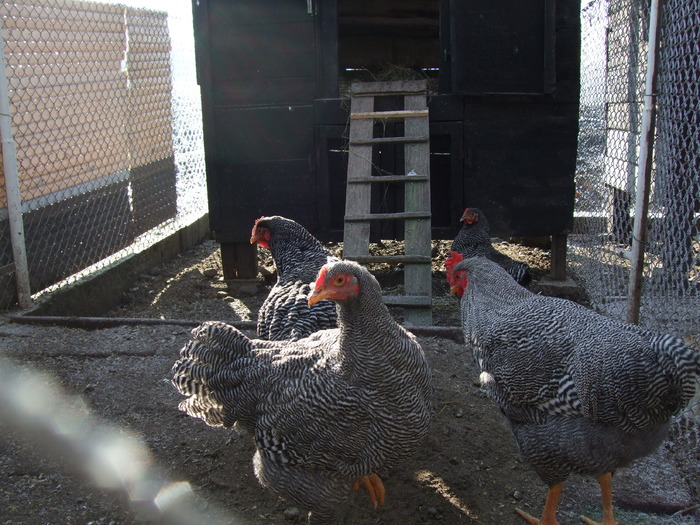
[458, 280]
[470, 216]
[334, 286]
[260, 234]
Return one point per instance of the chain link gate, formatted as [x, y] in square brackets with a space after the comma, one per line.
[613, 68]
[106, 118]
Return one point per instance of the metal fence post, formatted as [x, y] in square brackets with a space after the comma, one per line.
[14, 198]
[646, 148]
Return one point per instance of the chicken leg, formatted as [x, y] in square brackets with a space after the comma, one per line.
[605, 482]
[549, 514]
[374, 486]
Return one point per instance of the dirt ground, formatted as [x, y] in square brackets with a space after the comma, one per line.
[468, 470]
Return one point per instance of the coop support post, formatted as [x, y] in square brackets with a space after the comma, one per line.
[14, 198]
[646, 148]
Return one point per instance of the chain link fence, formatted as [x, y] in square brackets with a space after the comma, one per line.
[106, 118]
[614, 42]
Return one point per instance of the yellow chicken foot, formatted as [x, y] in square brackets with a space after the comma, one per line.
[605, 482]
[549, 514]
[374, 486]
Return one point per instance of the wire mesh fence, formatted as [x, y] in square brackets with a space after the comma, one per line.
[614, 65]
[106, 118]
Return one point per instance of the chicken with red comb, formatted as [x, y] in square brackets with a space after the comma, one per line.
[326, 412]
[473, 240]
[298, 256]
[584, 394]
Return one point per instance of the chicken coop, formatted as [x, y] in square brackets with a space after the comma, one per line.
[503, 91]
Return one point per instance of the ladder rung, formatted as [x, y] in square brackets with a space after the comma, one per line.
[395, 259]
[404, 93]
[420, 301]
[389, 216]
[388, 140]
[391, 178]
[394, 88]
[399, 114]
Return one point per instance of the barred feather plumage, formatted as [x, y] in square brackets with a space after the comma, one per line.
[298, 256]
[324, 410]
[473, 240]
[584, 393]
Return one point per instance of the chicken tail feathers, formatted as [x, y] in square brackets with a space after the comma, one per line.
[212, 365]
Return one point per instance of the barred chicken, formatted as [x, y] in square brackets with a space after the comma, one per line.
[325, 411]
[473, 239]
[298, 256]
[584, 394]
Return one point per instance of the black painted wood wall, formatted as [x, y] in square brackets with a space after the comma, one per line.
[503, 118]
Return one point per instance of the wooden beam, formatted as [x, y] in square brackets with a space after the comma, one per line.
[558, 262]
[389, 216]
[399, 114]
[239, 260]
[390, 178]
[391, 259]
[389, 140]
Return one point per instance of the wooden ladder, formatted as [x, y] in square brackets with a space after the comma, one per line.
[417, 299]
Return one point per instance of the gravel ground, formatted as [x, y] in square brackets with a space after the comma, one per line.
[468, 470]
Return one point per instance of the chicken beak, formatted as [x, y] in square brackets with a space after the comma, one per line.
[253, 239]
[454, 289]
[318, 295]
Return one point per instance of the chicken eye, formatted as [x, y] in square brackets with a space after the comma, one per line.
[339, 280]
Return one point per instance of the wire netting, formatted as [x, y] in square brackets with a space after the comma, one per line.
[106, 118]
[614, 44]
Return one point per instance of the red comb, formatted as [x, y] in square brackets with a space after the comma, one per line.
[451, 262]
[470, 216]
[321, 277]
[453, 259]
[252, 232]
